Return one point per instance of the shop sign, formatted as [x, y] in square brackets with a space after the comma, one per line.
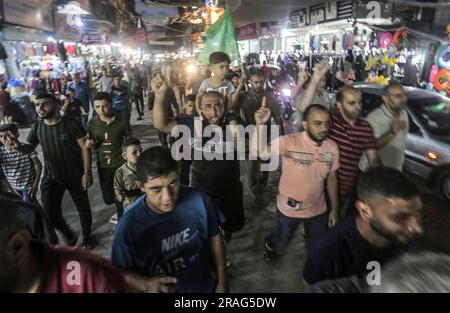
[93, 39]
[29, 13]
[320, 13]
[249, 31]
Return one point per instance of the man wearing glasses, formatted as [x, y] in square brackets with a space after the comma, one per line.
[215, 168]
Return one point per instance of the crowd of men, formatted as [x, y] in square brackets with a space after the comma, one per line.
[341, 177]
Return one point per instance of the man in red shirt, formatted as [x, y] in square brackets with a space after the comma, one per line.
[28, 265]
[354, 137]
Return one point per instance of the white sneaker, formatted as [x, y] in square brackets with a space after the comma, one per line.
[113, 219]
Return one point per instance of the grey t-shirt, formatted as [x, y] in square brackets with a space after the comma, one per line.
[392, 154]
[225, 88]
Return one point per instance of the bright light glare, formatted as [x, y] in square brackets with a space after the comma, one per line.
[286, 92]
[191, 69]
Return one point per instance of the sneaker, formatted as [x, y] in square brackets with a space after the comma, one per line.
[89, 243]
[139, 118]
[114, 219]
[270, 254]
[228, 262]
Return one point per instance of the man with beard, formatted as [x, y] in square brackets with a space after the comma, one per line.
[390, 126]
[30, 265]
[216, 172]
[249, 102]
[309, 167]
[389, 218]
[67, 166]
[354, 137]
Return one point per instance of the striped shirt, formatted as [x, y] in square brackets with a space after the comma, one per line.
[18, 168]
[353, 141]
[62, 155]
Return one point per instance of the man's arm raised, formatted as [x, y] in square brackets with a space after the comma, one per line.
[259, 147]
[160, 114]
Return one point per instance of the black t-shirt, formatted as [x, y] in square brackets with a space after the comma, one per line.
[62, 155]
[214, 176]
[343, 252]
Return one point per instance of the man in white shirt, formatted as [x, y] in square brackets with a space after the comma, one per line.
[390, 126]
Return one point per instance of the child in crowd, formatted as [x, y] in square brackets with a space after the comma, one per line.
[125, 186]
[22, 171]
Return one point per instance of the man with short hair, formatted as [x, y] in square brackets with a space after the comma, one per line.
[137, 92]
[354, 137]
[82, 93]
[249, 102]
[309, 167]
[217, 174]
[29, 265]
[389, 218]
[106, 80]
[120, 98]
[169, 239]
[67, 166]
[106, 134]
[390, 126]
[72, 107]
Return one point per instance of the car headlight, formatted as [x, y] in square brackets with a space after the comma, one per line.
[433, 155]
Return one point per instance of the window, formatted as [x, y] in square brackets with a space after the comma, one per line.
[370, 102]
[413, 127]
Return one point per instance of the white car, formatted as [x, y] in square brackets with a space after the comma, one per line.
[428, 143]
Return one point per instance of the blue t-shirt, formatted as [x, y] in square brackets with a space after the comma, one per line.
[176, 243]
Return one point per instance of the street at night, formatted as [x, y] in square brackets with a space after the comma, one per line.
[224, 146]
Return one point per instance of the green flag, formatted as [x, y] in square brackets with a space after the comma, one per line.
[221, 37]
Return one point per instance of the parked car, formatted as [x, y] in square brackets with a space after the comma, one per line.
[428, 142]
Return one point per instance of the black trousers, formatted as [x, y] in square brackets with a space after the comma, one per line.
[52, 193]
[106, 178]
[138, 100]
[185, 166]
[230, 203]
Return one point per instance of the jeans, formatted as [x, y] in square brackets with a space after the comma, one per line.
[230, 203]
[256, 179]
[52, 193]
[25, 195]
[287, 226]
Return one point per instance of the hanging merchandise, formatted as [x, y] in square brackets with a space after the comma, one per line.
[442, 80]
[433, 72]
[385, 40]
[62, 51]
[442, 57]
[399, 37]
[371, 61]
[71, 49]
